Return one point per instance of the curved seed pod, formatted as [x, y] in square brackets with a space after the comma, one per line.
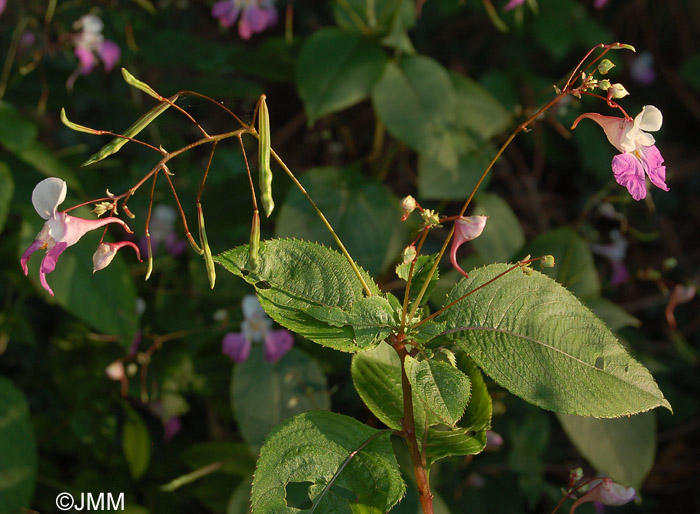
[254, 247]
[208, 261]
[265, 178]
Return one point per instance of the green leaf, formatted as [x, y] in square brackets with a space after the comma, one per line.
[376, 375]
[337, 70]
[479, 410]
[312, 447]
[454, 442]
[136, 442]
[7, 188]
[420, 273]
[293, 276]
[538, 341]
[236, 457]
[574, 267]
[442, 388]
[18, 453]
[45, 162]
[265, 393]
[370, 17]
[416, 101]
[16, 132]
[528, 439]
[478, 111]
[115, 144]
[105, 300]
[437, 180]
[363, 212]
[622, 449]
[502, 236]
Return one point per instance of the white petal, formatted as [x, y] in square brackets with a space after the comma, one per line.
[251, 307]
[651, 118]
[47, 195]
[645, 139]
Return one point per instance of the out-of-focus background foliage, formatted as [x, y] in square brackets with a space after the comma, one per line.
[359, 111]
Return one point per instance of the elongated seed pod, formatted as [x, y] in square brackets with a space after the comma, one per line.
[208, 261]
[254, 246]
[265, 178]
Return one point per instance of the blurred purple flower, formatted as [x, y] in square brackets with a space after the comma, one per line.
[255, 15]
[162, 231]
[513, 4]
[599, 4]
[642, 68]
[615, 252]
[639, 155]
[171, 427]
[3, 3]
[256, 328]
[91, 44]
[60, 230]
[494, 440]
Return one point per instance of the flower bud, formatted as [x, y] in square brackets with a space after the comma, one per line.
[604, 84]
[408, 204]
[115, 371]
[466, 229]
[105, 253]
[617, 91]
[101, 208]
[430, 217]
[547, 261]
[605, 66]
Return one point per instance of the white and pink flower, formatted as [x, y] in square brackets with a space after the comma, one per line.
[466, 229]
[60, 230]
[255, 15]
[638, 153]
[90, 45]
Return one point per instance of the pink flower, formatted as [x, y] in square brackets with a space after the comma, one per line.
[256, 328]
[513, 4]
[255, 15]
[466, 229]
[599, 4]
[615, 252]
[60, 230]
[606, 492]
[639, 155]
[162, 231]
[3, 3]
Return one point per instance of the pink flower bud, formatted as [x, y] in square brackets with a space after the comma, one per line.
[466, 229]
[105, 253]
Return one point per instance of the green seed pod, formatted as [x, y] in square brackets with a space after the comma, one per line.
[208, 261]
[265, 179]
[254, 247]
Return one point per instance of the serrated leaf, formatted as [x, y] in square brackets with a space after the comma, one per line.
[420, 273]
[477, 415]
[454, 442]
[574, 267]
[442, 388]
[376, 375]
[311, 447]
[265, 393]
[363, 212]
[18, 454]
[538, 341]
[622, 449]
[502, 235]
[136, 443]
[115, 144]
[337, 69]
[293, 276]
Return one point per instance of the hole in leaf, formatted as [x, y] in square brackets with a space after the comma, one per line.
[263, 284]
[298, 495]
[245, 272]
[627, 368]
[599, 363]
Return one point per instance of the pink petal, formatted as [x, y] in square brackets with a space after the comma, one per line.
[606, 492]
[109, 53]
[171, 428]
[653, 165]
[87, 59]
[36, 245]
[48, 264]
[226, 12]
[620, 275]
[614, 127]
[629, 173]
[75, 228]
[466, 229]
[244, 30]
[598, 4]
[236, 346]
[277, 343]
